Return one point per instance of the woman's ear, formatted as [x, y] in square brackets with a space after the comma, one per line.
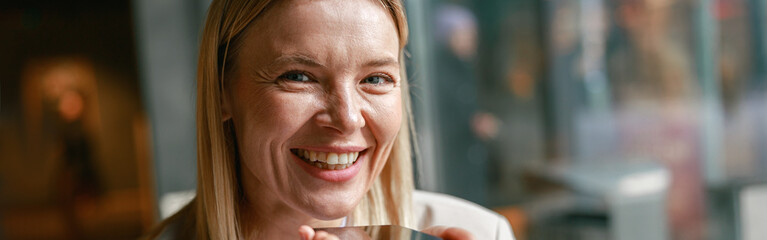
[226, 112]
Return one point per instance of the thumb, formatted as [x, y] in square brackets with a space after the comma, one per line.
[306, 232]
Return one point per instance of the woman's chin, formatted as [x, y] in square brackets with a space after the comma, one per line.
[324, 209]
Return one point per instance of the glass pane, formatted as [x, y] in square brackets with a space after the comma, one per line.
[579, 118]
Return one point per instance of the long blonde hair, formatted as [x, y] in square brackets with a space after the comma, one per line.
[213, 214]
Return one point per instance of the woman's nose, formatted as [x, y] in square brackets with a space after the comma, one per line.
[343, 112]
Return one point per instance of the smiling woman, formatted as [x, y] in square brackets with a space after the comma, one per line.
[303, 119]
[321, 103]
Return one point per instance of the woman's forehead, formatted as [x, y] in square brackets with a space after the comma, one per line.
[305, 14]
[328, 31]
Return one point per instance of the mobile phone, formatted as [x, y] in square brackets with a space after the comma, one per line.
[378, 232]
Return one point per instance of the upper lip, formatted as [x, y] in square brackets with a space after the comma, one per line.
[334, 149]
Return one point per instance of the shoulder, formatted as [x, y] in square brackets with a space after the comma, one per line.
[439, 209]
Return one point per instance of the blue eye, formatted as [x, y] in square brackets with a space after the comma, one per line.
[375, 80]
[298, 77]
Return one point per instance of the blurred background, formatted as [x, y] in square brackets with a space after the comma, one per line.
[575, 119]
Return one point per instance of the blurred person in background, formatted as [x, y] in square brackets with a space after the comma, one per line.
[653, 81]
[463, 126]
[62, 129]
[303, 121]
[77, 181]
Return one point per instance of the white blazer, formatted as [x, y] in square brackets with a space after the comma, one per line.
[433, 209]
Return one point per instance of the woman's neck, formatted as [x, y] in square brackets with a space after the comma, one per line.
[264, 216]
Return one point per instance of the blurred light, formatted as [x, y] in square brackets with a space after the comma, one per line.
[644, 183]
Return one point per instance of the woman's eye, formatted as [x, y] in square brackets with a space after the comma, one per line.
[297, 77]
[376, 80]
[378, 83]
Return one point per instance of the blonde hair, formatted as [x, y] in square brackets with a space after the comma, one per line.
[213, 214]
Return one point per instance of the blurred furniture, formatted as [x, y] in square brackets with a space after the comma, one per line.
[627, 198]
[738, 209]
[751, 209]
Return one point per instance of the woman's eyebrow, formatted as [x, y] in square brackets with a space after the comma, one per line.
[296, 59]
[310, 61]
[382, 62]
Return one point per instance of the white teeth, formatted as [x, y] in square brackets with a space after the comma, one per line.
[332, 158]
[343, 158]
[331, 161]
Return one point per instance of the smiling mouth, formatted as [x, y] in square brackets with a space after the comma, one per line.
[327, 160]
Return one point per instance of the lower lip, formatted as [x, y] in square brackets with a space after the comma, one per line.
[342, 175]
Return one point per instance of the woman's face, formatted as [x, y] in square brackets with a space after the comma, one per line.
[316, 103]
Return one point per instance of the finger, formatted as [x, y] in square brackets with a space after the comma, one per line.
[434, 230]
[321, 235]
[332, 237]
[449, 233]
[456, 234]
[306, 232]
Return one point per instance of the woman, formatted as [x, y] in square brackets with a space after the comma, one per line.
[303, 120]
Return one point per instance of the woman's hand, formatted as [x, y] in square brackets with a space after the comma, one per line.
[449, 233]
[307, 233]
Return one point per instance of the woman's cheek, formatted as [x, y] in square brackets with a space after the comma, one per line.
[395, 112]
[283, 112]
[387, 117]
